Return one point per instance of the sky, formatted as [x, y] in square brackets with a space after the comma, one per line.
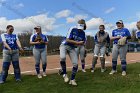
[57, 16]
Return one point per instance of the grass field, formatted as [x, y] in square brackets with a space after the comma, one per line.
[87, 83]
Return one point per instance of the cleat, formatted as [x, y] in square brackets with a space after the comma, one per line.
[103, 70]
[83, 70]
[72, 82]
[39, 76]
[92, 70]
[1, 82]
[113, 72]
[124, 73]
[66, 79]
[44, 74]
[18, 80]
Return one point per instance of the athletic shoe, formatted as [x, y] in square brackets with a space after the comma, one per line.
[1, 82]
[44, 74]
[39, 76]
[83, 70]
[73, 82]
[66, 79]
[18, 80]
[124, 73]
[92, 70]
[103, 70]
[113, 72]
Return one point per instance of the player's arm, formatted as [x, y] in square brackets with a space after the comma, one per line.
[18, 43]
[113, 37]
[32, 42]
[95, 39]
[6, 45]
[74, 42]
[70, 36]
[4, 42]
[45, 41]
[128, 34]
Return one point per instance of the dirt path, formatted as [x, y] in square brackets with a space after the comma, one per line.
[27, 63]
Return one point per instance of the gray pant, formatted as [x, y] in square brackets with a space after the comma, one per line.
[10, 56]
[99, 49]
[40, 54]
[64, 49]
[63, 52]
[119, 50]
[122, 51]
[80, 50]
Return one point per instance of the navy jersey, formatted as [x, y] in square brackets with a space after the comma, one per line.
[120, 32]
[138, 34]
[39, 46]
[10, 39]
[76, 35]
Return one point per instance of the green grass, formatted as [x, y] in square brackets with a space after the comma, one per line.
[87, 83]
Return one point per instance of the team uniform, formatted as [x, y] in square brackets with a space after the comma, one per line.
[40, 53]
[80, 50]
[102, 40]
[10, 56]
[63, 50]
[66, 47]
[138, 34]
[119, 49]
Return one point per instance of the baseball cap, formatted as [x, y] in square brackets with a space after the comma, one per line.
[138, 22]
[119, 22]
[80, 26]
[37, 27]
[81, 21]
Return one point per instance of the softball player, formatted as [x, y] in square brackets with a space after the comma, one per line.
[11, 44]
[102, 40]
[39, 41]
[80, 50]
[75, 36]
[138, 31]
[119, 37]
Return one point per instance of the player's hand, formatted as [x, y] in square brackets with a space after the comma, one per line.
[42, 42]
[118, 37]
[10, 50]
[80, 43]
[37, 42]
[21, 50]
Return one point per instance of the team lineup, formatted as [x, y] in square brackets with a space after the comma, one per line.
[72, 44]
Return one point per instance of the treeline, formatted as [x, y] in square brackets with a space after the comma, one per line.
[53, 45]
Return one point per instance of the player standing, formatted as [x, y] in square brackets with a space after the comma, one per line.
[39, 41]
[119, 37]
[102, 41]
[138, 31]
[11, 47]
[80, 50]
[73, 39]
